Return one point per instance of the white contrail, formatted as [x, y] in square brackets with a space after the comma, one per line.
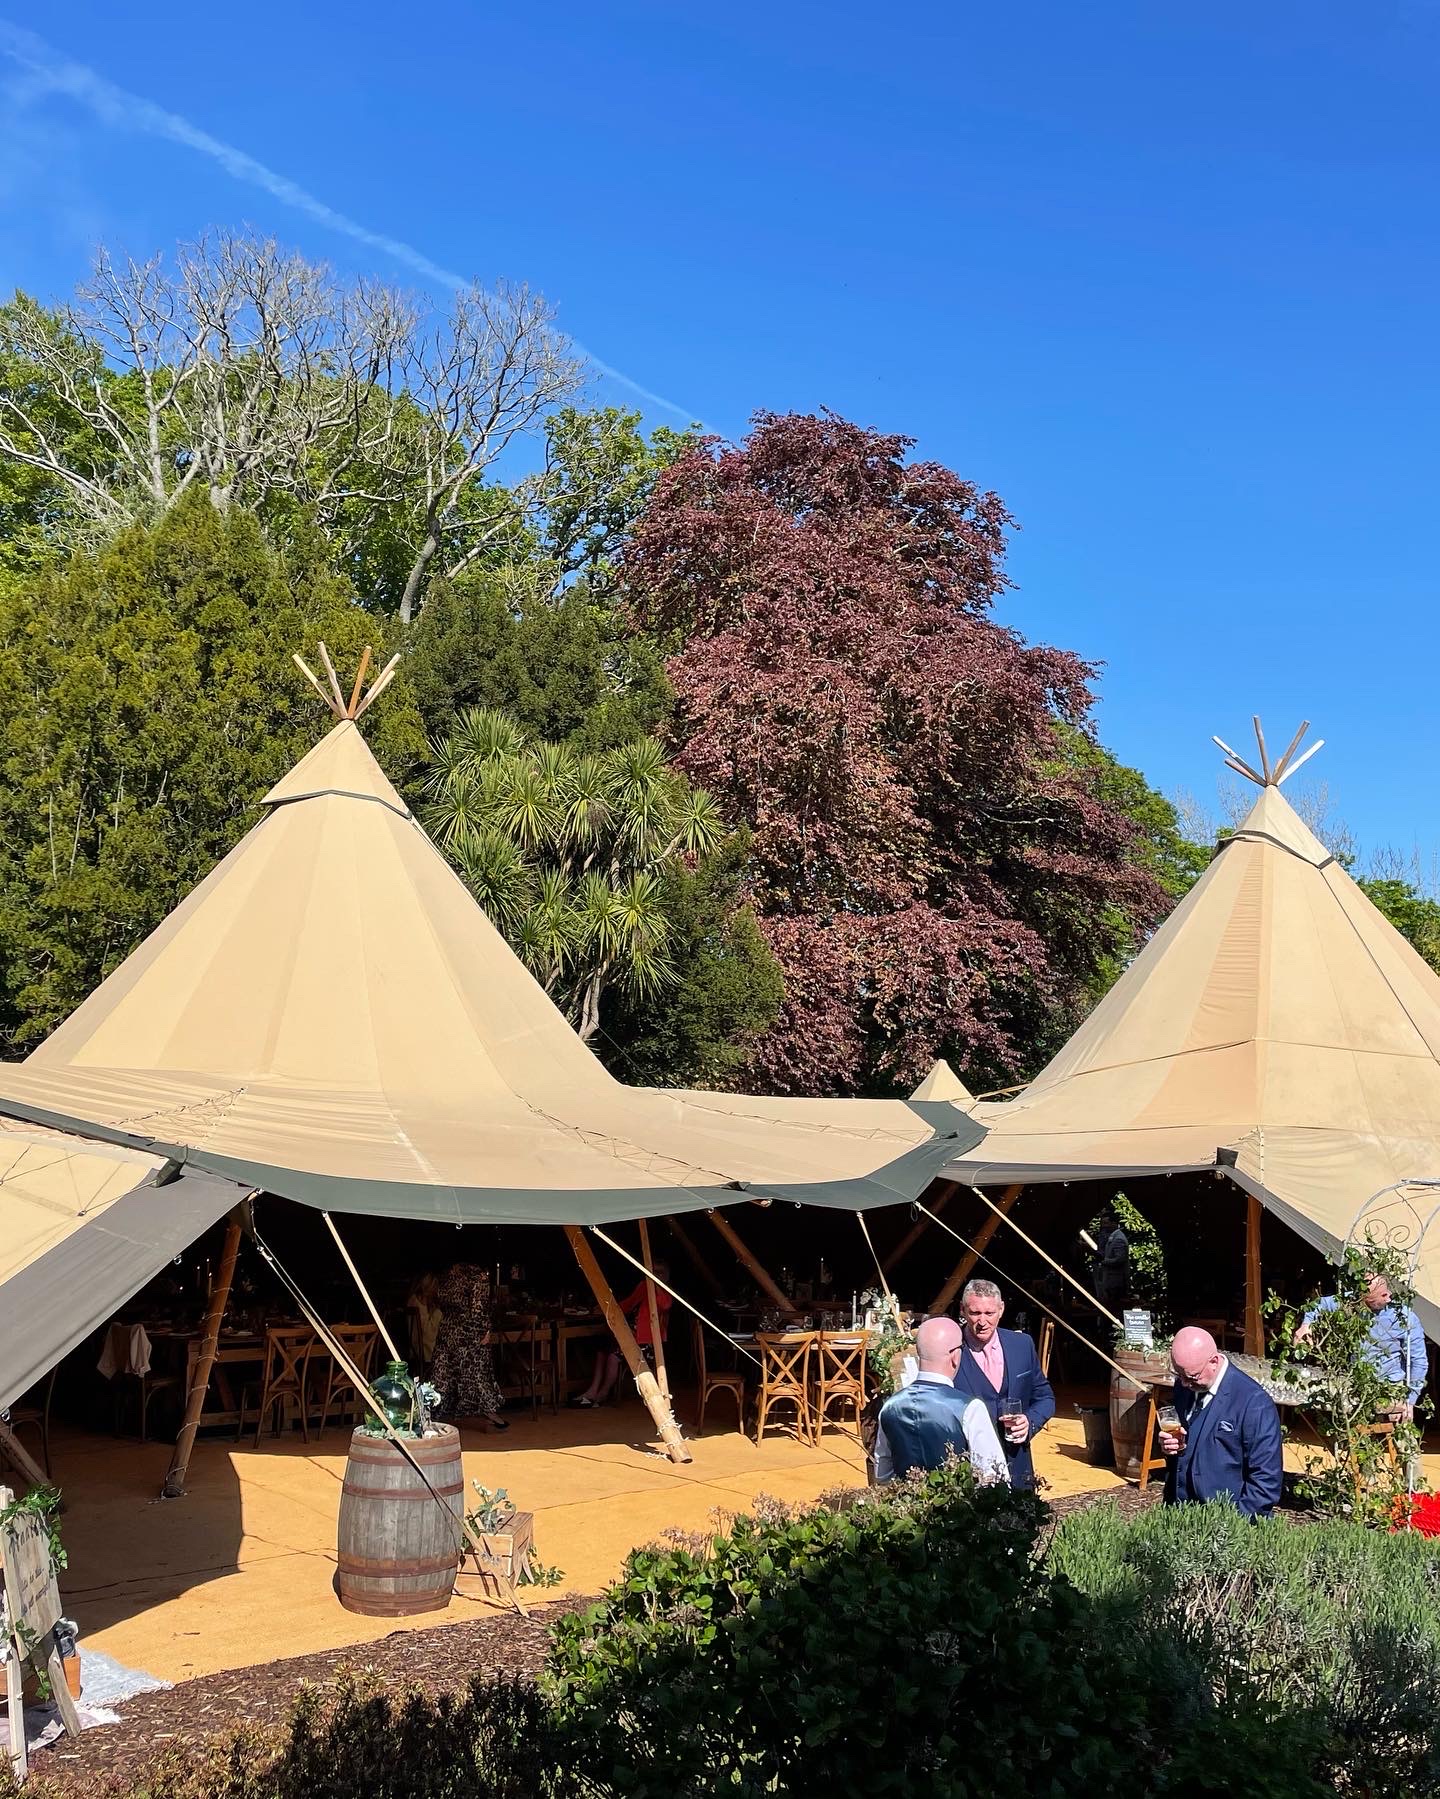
[113, 105]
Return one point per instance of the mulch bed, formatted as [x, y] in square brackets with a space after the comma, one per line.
[151, 1724]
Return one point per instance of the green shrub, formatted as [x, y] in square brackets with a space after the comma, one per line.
[1328, 1635]
[903, 1640]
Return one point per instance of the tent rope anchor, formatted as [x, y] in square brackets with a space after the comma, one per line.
[335, 699]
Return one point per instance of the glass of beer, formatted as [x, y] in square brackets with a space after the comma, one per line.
[1169, 1421]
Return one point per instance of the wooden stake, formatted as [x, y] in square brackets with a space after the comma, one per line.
[902, 1249]
[173, 1486]
[334, 680]
[1265, 768]
[382, 681]
[629, 1348]
[1293, 745]
[1299, 762]
[757, 1273]
[1254, 1328]
[653, 1301]
[702, 1267]
[359, 683]
[966, 1264]
[314, 680]
[395, 1355]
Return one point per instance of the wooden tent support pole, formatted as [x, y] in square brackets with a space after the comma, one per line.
[893, 1258]
[652, 1300]
[629, 1348]
[15, 1452]
[965, 1266]
[395, 1355]
[702, 1267]
[173, 1486]
[757, 1273]
[1254, 1328]
[1085, 1292]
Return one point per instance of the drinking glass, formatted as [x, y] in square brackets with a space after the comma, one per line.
[1011, 1414]
[1168, 1418]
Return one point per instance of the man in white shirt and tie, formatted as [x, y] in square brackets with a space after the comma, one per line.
[922, 1423]
[1228, 1444]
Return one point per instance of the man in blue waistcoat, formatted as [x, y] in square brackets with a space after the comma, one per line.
[1002, 1369]
[923, 1422]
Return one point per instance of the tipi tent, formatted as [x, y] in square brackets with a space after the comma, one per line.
[942, 1082]
[330, 1016]
[1276, 1027]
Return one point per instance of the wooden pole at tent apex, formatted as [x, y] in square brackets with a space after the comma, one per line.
[892, 1259]
[173, 1486]
[1254, 1324]
[776, 1293]
[652, 1300]
[702, 1267]
[335, 699]
[625, 1338]
[965, 1266]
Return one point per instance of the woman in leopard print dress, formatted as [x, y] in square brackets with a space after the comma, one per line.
[464, 1369]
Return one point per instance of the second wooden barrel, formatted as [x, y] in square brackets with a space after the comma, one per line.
[1130, 1406]
[399, 1537]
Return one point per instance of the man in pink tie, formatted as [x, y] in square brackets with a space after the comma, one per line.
[1001, 1368]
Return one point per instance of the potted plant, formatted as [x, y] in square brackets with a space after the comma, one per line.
[508, 1539]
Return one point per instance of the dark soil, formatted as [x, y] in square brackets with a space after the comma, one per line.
[114, 1756]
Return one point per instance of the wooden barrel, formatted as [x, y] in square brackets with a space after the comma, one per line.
[1130, 1406]
[399, 1538]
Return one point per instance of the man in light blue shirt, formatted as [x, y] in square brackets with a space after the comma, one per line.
[1396, 1345]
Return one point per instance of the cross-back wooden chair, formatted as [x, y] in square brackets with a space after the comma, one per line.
[839, 1373]
[785, 1363]
[287, 1360]
[33, 1413]
[360, 1342]
[713, 1380]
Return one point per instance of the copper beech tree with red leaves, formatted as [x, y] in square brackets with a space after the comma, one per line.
[933, 870]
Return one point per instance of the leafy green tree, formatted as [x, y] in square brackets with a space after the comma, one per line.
[567, 851]
[147, 701]
[565, 670]
[1413, 914]
[702, 1030]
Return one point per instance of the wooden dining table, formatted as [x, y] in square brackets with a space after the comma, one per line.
[235, 1348]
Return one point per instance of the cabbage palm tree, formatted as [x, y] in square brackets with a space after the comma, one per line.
[567, 852]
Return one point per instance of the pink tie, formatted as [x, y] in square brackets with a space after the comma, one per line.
[992, 1363]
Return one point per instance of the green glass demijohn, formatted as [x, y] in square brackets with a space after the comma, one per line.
[393, 1391]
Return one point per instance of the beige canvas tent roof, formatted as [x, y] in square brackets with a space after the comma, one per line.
[942, 1082]
[330, 1016]
[1276, 1022]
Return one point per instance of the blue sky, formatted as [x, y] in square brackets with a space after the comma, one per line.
[1165, 277]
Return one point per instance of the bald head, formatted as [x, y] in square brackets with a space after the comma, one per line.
[936, 1342]
[1195, 1357]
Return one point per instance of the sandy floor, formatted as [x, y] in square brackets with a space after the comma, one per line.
[241, 1569]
